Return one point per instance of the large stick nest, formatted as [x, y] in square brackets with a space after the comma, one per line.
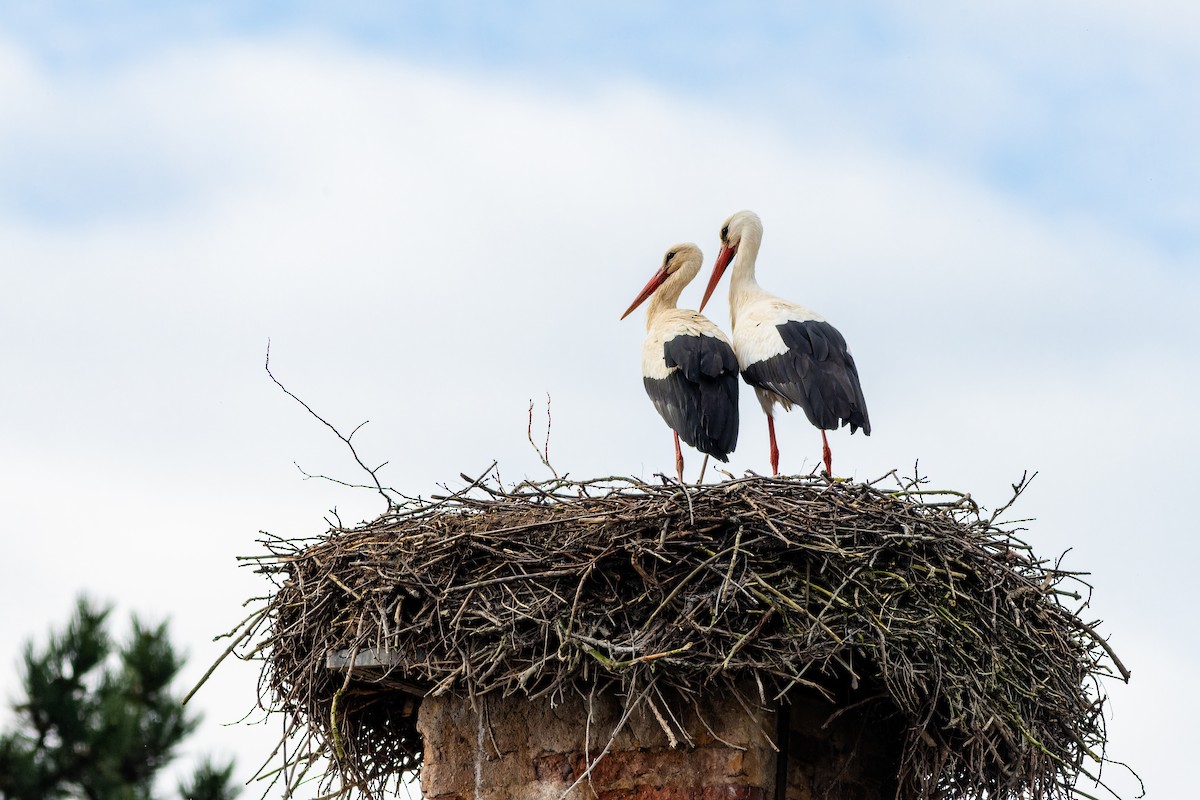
[909, 596]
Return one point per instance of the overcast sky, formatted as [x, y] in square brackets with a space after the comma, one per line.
[437, 213]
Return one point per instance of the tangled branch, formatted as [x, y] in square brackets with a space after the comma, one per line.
[902, 596]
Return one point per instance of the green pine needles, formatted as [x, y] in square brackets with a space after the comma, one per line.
[98, 719]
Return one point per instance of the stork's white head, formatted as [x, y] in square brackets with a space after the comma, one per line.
[680, 264]
[742, 227]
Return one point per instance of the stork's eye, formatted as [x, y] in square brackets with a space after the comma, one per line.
[670, 255]
[725, 233]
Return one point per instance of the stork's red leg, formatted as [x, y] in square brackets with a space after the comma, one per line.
[678, 459]
[774, 446]
[826, 454]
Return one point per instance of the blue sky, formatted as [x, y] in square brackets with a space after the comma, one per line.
[437, 212]
[1086, 113]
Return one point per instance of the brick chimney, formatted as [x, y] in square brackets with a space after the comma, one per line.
[512, 748]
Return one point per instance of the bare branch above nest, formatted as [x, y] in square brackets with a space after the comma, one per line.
[374, 473]
[543, 453]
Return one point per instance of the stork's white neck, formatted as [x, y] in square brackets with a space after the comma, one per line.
[742, 284]
[667, 296]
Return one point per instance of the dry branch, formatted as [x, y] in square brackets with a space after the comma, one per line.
[909, 599]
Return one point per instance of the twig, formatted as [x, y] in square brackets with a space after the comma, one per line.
[247, 631]
[544, 452]
[323, 421]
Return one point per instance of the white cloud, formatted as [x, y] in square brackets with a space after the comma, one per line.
[431, 251]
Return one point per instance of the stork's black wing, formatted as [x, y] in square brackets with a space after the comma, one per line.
[699, 400]
[816, 373]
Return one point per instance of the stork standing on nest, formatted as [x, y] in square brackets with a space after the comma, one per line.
[688, 365]
[788, 353]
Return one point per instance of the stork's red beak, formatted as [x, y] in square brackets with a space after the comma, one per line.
[723, 258]
[653, 285]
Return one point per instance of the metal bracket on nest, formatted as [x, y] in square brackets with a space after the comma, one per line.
[373, 665]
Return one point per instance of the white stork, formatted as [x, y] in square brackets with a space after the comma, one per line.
[788, 353]
[688, 365]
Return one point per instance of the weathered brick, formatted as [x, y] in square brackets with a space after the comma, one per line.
[515, 749]
[710, 792]
[554, 767]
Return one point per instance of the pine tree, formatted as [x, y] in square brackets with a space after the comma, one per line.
[98, 720]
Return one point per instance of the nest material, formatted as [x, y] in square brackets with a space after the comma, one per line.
[912, 598]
